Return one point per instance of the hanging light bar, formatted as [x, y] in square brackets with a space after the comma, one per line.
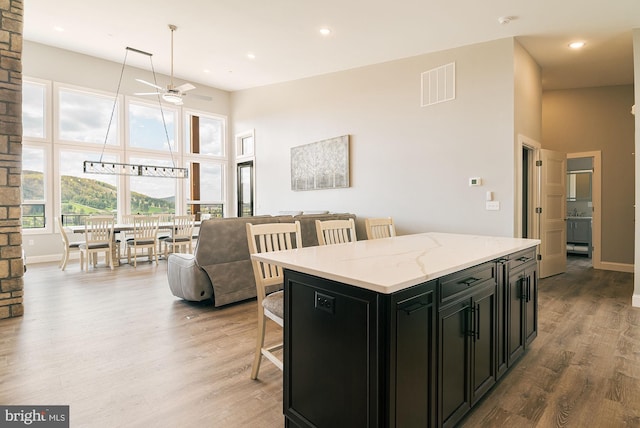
[114, 168]
[98, 167]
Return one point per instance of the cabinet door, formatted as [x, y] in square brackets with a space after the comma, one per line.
[414, 362]
[330, 354]
[581, 230]
[483, 311]
[531, 304]
[454, 339]
[502, 310]
[571, 226]
[517, 287]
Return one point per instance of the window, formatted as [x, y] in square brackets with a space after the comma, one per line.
[205, 149]
[33, 188]
[85, 117]
[59, 136]
[152, 195]
[244, 145]
[206, 135]
[85, 194]
[147, 128]
[206, 193]
[34, 96]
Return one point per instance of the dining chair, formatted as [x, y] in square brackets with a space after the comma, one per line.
[181, 235]
[123, 236]
[335, 231]
[269, 281]
[145, 236]
[380, 227]
[98, 237]
[67, 245]
[163, 219]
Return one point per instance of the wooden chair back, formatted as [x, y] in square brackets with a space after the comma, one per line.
[380, 228]
[336, 231]
[268, 237]
[98, 230]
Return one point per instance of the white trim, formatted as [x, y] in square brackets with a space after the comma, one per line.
[617, 267]
[48, 104]
[238, 146]
[32, 260]
[525, 142]
[635, 301]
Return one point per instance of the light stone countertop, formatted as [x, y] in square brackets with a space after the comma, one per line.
[393, 264]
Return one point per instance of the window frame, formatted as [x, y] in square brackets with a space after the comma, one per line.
[55, 147]
[119, 114]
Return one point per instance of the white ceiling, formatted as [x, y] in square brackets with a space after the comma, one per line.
[217, 35]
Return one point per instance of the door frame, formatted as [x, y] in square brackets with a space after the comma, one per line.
[525, 142]
[596, 198]
[534, 147]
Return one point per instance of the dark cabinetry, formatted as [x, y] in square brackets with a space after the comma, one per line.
[467, 340]
[420, 357]
[517, 306]
[356, 358]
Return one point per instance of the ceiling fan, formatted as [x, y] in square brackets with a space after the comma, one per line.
[172, 94]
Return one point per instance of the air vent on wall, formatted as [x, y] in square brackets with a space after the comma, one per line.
[439, 84]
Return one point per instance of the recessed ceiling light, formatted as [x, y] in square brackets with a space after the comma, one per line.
[206, 70]
[576, 45]
[325, 31]
[251, 55]
[58, 28]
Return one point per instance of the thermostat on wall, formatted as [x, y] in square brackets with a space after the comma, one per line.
[476, 181]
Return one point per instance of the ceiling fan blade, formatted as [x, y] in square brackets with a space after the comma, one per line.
[151, 84]
[147, 93]
[185, 87]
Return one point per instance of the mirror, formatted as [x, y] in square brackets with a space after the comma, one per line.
[579, 186]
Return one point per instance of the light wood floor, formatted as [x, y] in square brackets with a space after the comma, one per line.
[123, 352]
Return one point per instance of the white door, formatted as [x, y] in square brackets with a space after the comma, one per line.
[552, 212]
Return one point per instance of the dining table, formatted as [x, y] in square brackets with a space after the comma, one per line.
[124, 227]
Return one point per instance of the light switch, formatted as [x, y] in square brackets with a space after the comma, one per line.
[493, 206]
[475, 181]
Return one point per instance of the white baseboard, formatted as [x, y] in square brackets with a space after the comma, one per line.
[46, 259]
[618, 267]
[635, 301]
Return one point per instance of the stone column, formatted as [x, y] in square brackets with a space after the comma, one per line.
[11, 264]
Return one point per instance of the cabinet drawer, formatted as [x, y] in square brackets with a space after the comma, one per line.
[459, 282]
[522, 257]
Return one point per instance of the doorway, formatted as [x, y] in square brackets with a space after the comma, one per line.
[541, 207]
[245, 189]
[583, 202]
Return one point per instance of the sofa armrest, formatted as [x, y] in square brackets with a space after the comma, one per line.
[186, 279]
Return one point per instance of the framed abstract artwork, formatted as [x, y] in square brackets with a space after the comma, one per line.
[321, 165]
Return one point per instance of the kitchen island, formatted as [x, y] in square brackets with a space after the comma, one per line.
[405, 331]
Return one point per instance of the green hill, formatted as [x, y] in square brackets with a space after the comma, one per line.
[87, 196]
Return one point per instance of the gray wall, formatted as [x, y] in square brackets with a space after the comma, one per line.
[407, 161]
[590, 119]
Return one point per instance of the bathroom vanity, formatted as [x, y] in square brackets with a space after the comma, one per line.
[579, 235]
[409, 331]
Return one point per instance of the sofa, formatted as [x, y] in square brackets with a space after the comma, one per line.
[220, 266]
